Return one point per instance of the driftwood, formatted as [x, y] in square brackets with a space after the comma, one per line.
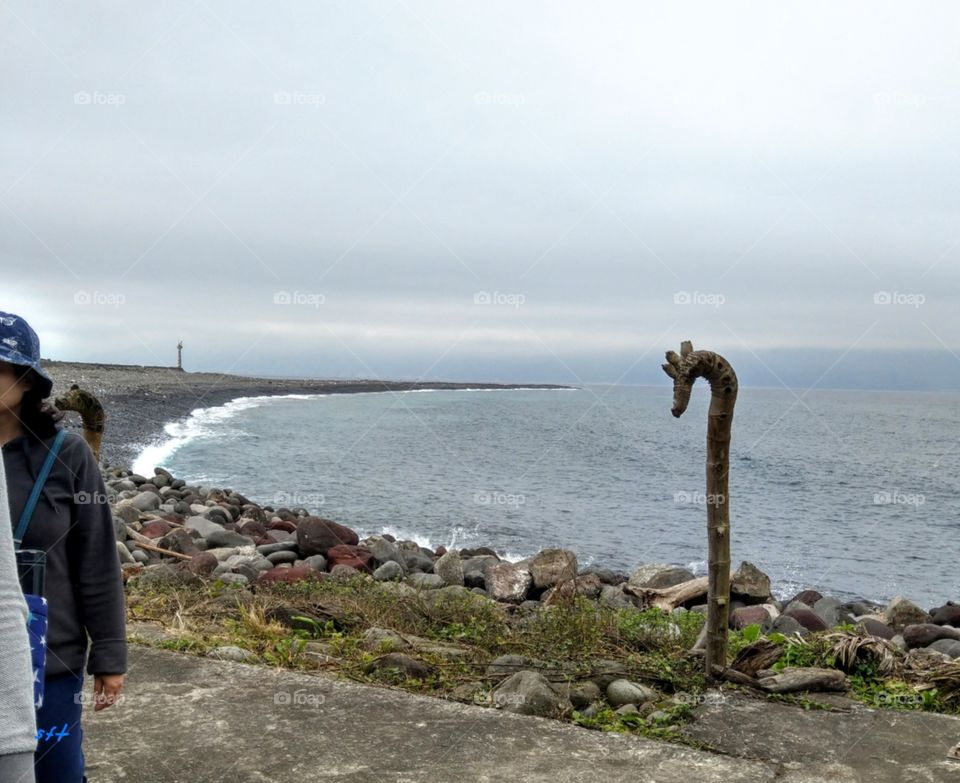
[146, 543]
[795, 678]
[684, 370]
[757, 656]
[669, 598]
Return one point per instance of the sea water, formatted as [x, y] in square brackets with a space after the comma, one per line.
[852, 493]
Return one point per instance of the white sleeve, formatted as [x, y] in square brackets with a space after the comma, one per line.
[18, 727]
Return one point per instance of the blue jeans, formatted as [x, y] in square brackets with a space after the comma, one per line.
[59, 755]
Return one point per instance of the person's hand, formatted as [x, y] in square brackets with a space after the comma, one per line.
[106, 690]
[52, 411]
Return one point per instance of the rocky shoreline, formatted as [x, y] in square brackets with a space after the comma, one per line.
[141, 400]
[169, 531]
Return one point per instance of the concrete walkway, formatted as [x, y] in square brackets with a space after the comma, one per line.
[193, 719]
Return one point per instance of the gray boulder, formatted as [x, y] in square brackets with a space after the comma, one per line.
[388, 572]
[658, 576]
[551, 567]
[449, 568]
[530, 693]
[205, 527]
[620, 692]
[901, 612]
[507, 582]
[949, 647]
[750, 584]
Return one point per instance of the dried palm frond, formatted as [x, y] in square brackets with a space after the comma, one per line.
[850, 648]
[934, 672]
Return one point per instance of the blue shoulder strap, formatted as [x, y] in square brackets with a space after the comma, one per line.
[38, 488]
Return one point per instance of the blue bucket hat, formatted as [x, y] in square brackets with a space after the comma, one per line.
[20, 345]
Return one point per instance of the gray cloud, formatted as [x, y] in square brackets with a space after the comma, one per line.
[778, 183]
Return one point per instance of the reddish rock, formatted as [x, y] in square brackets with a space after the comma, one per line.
[876, 628]
[179, 540]
[808, 597]
[808, 619]
[441, 551]
[290, 575]
[156, 529]
[354, 556]
[315, 536]
[282, 524]
[750, 615]
[252, 528]
[202, 564]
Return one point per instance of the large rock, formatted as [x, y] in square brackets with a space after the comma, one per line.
[179, 540]
[530, 693]
[901, 612]
[387, 572]
[507, 582]
[874, 627]
[551, 567]
[925, 634]
[948, 614]
[425, 581]
[403, 665]
[449, 567]
[205, 527]
[316, 536]
[658, 576]
[751, 615]
[475, 569]
[750, 584]
[620, 692]
[949, 647]
[383, 550]
[808, 597]
[587, 586]
[156, 528]
[226, 538]
[146, 501]
[809, 619]
[354, 556]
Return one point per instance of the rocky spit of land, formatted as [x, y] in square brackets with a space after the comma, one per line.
[140, 400]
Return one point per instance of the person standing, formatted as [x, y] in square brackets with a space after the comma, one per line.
[72, 523]
[17, 721]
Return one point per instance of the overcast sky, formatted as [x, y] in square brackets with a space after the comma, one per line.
[539, 191]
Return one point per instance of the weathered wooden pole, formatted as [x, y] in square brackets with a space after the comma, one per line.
[685, 369]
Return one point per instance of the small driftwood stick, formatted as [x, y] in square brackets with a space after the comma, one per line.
[145, 543]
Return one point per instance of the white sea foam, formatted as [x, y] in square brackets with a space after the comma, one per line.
[201, 423]
[207, 422]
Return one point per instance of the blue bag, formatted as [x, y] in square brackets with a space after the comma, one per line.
[30, 566]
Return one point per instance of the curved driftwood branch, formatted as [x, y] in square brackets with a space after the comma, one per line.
[684, 369]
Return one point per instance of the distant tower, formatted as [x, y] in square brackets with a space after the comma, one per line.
[180, 355]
